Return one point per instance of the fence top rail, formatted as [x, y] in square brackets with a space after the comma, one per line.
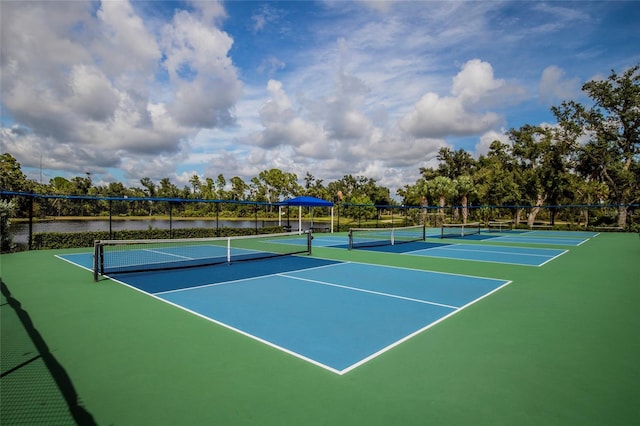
[127, 198]
[276, 204]
[476, 206]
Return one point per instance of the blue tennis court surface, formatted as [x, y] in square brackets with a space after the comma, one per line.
[542, 240]
[543, 237]
[525, 256]
[337, 315]
[456, 248]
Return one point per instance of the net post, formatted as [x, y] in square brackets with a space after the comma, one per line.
[309, 238]
[228, 250]
[424, 232]
[350, 239]
[97, 259]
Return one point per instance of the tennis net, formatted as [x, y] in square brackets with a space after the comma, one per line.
[370, 237]
[500, 225]
[450, 230]
[122, 256]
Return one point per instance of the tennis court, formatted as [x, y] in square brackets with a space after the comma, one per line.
[336, 315]
[427, 243]
[352, 337]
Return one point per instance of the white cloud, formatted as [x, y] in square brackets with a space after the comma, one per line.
[482, 147]
[210, 10]
[474, 88]
[92, 93]
[203, 76]
[283, 126]
[436, 117]
[554, 86]
[475, 81]
[125, 45]
[81, 83]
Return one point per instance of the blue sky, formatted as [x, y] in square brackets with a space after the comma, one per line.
[126, 90]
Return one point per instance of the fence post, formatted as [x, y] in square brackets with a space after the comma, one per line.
[31, 196]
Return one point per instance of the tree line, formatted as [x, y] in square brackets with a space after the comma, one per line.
[591, 156]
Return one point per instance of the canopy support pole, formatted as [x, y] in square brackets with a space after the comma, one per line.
[332, 219]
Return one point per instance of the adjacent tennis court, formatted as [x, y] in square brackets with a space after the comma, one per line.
[418, 241]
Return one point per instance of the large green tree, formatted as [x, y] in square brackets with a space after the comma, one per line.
[272, 185]
[612, 126]
[543, 160]
[454, 164]
[497, 178]
[314, 187]
[354, 186]
[11, 176]
[441, 188]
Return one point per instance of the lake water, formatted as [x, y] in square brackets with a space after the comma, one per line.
[20, 231]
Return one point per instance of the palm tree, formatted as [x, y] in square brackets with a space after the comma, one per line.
[442, 187]
[464, 186]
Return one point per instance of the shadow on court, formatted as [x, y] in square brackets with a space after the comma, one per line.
[36, 388]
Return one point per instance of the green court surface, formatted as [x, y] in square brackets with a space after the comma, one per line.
[560, 345]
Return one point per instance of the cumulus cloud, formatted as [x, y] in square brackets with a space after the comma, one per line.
[205, 80]
[82, 81]
[555, 87]
[461, 114]
[210, 10]
[482, 147]
[475, 81]
[92, 94]
[283, 126]
[436, 117]
[336, 132]
[124, 45]
[343, 114]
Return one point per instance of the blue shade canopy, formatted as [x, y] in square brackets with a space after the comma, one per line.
[306, 201]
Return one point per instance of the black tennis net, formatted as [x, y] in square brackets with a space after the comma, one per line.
[371, 237]
[122, 256]
[451, 230]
